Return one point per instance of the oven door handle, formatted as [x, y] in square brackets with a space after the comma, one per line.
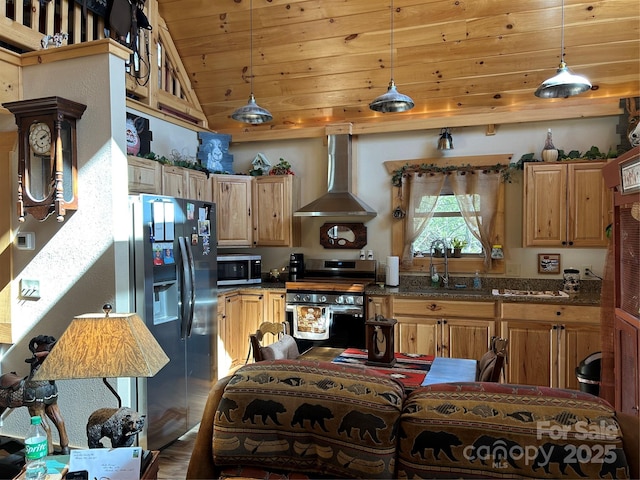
[340, 310]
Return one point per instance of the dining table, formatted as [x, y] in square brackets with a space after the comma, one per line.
[412, 370]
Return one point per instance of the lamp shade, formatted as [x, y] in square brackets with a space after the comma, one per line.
[252, 113]
[392, 101]
[563, 84]
[95, 346]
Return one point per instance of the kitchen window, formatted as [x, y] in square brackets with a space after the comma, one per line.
[449, 204]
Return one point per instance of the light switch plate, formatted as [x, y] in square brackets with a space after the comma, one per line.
[29, 289]
[25, 241]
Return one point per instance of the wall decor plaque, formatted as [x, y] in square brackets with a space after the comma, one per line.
[343, 235]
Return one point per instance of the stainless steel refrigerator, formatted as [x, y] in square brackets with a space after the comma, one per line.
[173, 279]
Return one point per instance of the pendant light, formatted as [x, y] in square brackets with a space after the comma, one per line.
[392, 101]
[565, 83]
[251, 112]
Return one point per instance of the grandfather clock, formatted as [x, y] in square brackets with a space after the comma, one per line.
[47, 156]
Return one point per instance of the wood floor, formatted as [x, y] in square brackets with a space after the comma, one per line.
[174, 459]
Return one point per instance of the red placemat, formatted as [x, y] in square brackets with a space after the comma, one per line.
[410, 369]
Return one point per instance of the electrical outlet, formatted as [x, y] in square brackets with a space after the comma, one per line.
[29, 289]
[586, 270]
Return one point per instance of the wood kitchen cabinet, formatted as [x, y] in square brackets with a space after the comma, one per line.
[199, 185]
[627, 364]
[275, 198]
[565, 204]
[275, 306]
[174, 181]
[443, 328]
[547, 342]
[621, 357]
[378, 305]
[230, 345]
[145, 176]
[232, 196]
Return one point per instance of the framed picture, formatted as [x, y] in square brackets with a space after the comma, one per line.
[630, 176]
[548, 263]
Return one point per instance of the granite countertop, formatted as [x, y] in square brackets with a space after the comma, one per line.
[485, 294]
[416, 286]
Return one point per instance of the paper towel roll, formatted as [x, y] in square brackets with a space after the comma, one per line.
[393, 271]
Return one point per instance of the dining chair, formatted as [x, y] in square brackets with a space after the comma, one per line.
[491, 364]
[281, 345]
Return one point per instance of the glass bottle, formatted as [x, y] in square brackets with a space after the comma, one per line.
[36, 448]
[549, 152]
[477, 281]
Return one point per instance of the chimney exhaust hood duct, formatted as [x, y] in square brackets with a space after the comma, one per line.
[338, 201]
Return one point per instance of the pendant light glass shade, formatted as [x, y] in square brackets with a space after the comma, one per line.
[564, 83]
[251, 113]
[392, 101]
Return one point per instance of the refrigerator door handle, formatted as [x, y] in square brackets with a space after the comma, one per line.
[192, 289]
[187, 293]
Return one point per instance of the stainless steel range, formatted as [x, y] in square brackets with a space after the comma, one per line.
[326, 308]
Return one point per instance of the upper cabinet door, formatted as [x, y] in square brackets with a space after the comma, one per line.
[232, 195]
[589, 205]
[565, 205]
[274, 201]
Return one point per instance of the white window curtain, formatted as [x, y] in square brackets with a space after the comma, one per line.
[423, 191]
[477, 193]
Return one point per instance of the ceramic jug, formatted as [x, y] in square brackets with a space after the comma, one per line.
[571, 280]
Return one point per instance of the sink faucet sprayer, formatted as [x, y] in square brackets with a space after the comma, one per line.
[445, 248]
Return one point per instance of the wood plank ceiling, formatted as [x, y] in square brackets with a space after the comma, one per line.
[317, 62]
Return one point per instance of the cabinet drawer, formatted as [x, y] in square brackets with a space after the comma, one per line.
[443, 308]
[565, 313]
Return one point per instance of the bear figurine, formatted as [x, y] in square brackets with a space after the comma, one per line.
[120, 425]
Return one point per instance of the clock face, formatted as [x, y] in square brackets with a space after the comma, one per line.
[40, 138]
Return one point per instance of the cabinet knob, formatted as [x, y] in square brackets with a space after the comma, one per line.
[558, 313]
[570, 243]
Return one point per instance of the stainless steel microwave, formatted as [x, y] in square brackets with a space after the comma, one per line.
[239, 269]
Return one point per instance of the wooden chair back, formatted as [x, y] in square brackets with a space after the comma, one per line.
[267, 333]
[491, 364]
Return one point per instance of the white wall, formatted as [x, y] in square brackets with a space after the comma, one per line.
[74, 260]
[309, 161]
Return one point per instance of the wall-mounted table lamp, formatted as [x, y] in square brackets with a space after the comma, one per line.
[109, 345]
[445, 142]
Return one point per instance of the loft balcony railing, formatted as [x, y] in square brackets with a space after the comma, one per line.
[155, 75]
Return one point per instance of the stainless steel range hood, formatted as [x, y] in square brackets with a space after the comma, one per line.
[339, 201]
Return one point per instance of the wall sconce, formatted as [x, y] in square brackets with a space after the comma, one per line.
[446, 140]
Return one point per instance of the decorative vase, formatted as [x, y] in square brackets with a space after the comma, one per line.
[549, 152]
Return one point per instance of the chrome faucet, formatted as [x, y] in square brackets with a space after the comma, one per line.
[445, 248]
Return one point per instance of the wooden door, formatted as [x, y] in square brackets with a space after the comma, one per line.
[199, 186]
[627, 366]
[272, 219]
[418, 335]
[174, 182]
[531, 348]
[378, 305]
[589, 205]
[545, 205]
[577, 342]
[466, 338]
[145, 176]
[230, 345]
[232, 194]
[252, 317]
[275, 307]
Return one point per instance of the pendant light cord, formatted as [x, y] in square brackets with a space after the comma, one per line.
[562, 35]
[251, 45]
[391, 43]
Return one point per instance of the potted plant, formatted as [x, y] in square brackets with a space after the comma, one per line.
[458, 244]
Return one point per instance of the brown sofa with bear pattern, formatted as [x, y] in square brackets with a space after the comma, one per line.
[308, 419]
